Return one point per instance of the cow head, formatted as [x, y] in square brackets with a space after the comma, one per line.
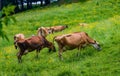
[51, 47]
[50, 30]
[18, 37]
[96, 45]
[44, 31]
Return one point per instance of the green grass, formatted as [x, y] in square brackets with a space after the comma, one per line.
[103, 17]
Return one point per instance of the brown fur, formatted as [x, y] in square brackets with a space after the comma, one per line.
[44, 31]
[58, 28]
[72, 41]
[31, 44]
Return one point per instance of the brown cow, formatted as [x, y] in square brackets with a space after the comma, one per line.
[74, 40]
[31, 44]
[44, 31]
[58, 28]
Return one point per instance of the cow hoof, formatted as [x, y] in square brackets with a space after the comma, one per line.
[19, 61]
[61, 59]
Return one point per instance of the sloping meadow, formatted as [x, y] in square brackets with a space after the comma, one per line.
[103, 19]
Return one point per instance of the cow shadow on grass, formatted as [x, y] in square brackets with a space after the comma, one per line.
[67, 73]
[83, 54]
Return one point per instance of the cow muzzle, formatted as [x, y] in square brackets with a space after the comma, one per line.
[97, 46]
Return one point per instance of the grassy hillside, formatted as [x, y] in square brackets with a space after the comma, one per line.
[103, 17]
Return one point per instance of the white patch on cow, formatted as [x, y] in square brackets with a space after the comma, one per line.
[42, 33]
[96, 46]
[49, 31]
[26, 51]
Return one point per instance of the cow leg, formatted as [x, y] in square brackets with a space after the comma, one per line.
[60, 52]
[49, 50]
[19, 55]
[37, 52]
[52, 48]
[79, 48]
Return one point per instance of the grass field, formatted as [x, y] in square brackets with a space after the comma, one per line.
[103, 17]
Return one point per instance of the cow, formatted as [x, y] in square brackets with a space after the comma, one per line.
[30, 44]
[74, 40]
[44, 31]
[58, 28]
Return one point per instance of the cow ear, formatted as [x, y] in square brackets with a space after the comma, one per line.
[93, 42]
